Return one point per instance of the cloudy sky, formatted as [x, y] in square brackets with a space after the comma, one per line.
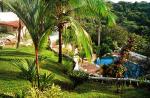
[130, 0]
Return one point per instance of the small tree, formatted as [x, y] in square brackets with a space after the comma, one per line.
[33, 14]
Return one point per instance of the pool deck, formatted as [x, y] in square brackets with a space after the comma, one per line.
[88, 67]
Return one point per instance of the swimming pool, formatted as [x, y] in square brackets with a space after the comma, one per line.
[133, 70]
[105, 60]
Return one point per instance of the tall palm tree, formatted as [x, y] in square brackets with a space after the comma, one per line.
[32, 14]
[99, 10]
[65, 11]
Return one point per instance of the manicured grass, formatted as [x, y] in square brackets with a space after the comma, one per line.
[10, 83]
[9, 80]
[99, 90]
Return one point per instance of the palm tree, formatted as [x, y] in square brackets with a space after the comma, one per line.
[65, 12]
[19, 34]
[32, 14]
[99, 9]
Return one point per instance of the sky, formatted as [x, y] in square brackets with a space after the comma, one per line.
[130, 0]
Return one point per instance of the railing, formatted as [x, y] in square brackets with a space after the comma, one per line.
[119, 79]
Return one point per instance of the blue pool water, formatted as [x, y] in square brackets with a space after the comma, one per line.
[133, 70]
[105, 60]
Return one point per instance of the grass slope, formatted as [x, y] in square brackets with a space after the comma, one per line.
[100, 90]
[10, 83]
[9, 80]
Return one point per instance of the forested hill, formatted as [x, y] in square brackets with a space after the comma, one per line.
[134, 16]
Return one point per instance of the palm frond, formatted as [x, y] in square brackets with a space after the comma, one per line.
[82, 37]
[44, 40]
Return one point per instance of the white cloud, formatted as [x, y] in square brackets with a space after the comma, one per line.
[130, 0]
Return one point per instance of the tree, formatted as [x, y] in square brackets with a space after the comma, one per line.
[32, 14]
[65, 13]
[19, 34]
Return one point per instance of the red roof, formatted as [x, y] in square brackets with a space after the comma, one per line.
[14, 24]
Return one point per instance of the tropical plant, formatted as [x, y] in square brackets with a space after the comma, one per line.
[28, 69]
[53, 92]
[65, 13]
[46, 81]
[78, 77]
[33, 14]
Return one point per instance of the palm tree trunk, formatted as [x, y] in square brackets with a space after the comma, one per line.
[19, 35]
[60, 28]
[37, 66]
[99, 35]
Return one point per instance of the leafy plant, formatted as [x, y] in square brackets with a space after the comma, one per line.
[27, 68]
[53, 92]
[20, 94]
[46, 81]
[78, 77]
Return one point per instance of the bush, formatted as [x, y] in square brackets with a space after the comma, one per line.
[46, 81]
[78, 77]
[52, 92]
[28, 72]
[67, 67]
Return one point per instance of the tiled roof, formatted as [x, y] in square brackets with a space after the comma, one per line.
[14, 24]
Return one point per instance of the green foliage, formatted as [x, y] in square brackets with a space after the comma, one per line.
[103, 49]
[28, 72]
[78, 77]
[140, 43]
[117, 70]
[31, 13]
[135, 18]
[44, 40]
[115, 34]
[20, 94]
[53, 92]
[68, 52]
[82, 54]
[46, 81]
[97, 89]
[1, 47]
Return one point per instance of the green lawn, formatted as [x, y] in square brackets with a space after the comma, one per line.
[10, 83]
[99, 90]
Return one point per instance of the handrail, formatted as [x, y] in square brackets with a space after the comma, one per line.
[122, 79]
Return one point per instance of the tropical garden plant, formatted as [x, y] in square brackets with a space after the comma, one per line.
[32, 14]
[66, 14]
[42, 16]
[28, 69]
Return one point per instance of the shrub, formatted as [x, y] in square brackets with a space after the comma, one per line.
[53, 92]
[27, 68]
[78, 77]
[20, 94]
[46, 81]
[68, 66]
